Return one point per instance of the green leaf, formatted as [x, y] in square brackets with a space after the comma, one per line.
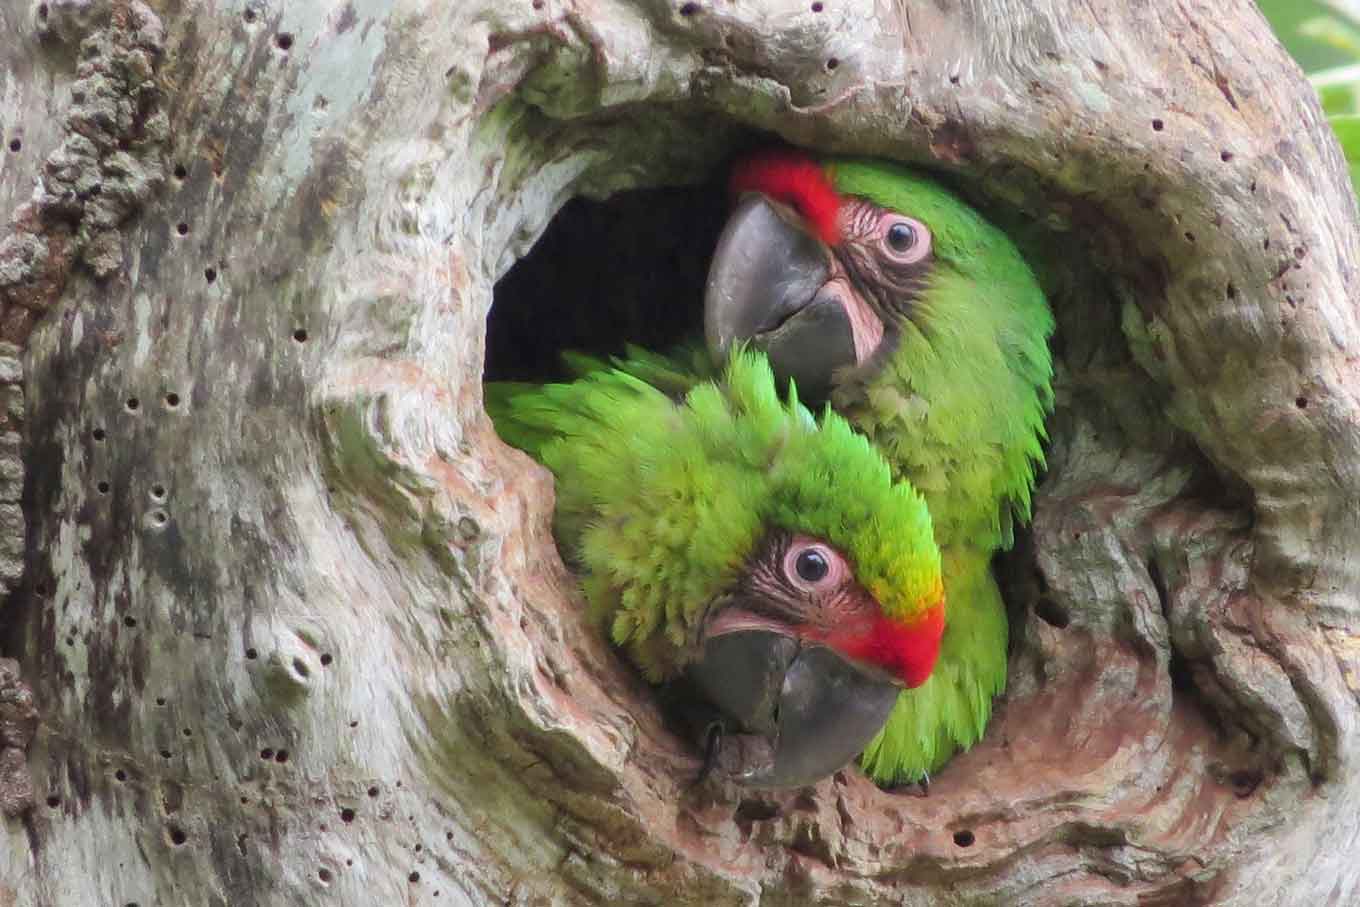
[1347, 129]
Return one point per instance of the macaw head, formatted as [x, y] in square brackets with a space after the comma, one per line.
[879, 288]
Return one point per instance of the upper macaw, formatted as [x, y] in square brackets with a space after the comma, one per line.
[880, 289]
[729, 536]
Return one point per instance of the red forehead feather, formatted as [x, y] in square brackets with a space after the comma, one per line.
[796, 180]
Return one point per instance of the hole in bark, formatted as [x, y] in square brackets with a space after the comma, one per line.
[1301, 402]
[300, 335]
[832, 63]
[347, 815]
[1050, 613]
[1189, 237]
[689, 9]
[133, 404]
[182, 228]
[413, 877]
[284, 41]
[252, 654]
[1225, 156]
[98, 434]
[53, 801]
[177, 835]
[158, 492]
[160, 700]
[281, 757]
[266, 754]
[1157, 125]
[373, 792]
[537, 4]
[159, 518]
[249, 15]
[817, 7]
[15, 145]
[751, 811]
[166, 754]
[1232, 291]
[647, 291]
[102, 487]
[181, 171]
[210, 274]
[300, 667]
[172, 400]
[129, 621]
[326, 659]
[42, 14]
[324, 875]
[964, 838]
[120, 775]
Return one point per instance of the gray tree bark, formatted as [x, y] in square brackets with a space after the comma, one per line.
[289, 626]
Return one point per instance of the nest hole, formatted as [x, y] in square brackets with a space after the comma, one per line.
[627, 270]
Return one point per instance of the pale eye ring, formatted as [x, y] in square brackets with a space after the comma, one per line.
[812, 565]
[902, 239]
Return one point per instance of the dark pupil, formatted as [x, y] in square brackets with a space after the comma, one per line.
[811, 566]
[901, 237]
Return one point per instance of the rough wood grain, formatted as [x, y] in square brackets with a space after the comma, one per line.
[291, 614]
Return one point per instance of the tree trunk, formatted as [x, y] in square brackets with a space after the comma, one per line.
[291, 616]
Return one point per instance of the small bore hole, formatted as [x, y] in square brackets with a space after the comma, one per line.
[281, 757]
[54, 801]
[252, 654]
[1157, 125]
[1225, 156]
[187, 732]
[103, 487]
[1232, 291]
[178, 836]
[209, 274]
[326, 659]
[172, 400]
[300, 335]
[15, 145]
[284, 41]
[160, 700]
[160, 517]
[133, 404]
[99, 434]
[324, 875]
[373, 792]
[266, 754]
[120, 775]
[181, 171]
[182, 228]
[347, 815]
[832, 63]
[129, 621]
[42, 14]
[689, 9]
[249, 15]
[413, 877]
[537, 4]
[817, 7]
[1301, 402]
[964, 838]
[166, 754]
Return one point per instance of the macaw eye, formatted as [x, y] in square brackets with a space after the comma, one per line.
[901, 236]
[811, 566]
[903, 240]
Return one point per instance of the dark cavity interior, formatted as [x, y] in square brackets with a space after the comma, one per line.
[630, 269]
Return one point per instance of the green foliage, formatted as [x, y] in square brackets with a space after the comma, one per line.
[1324, 37]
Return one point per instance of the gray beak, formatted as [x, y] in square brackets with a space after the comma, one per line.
[804, 710]
[766, 285]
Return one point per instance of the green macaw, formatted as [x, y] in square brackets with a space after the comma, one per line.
[728, 513]
[881, 290]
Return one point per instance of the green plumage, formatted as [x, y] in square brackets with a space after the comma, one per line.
[665, 487]
[958, 409]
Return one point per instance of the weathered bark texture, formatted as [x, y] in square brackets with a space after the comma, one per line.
[292, 617]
